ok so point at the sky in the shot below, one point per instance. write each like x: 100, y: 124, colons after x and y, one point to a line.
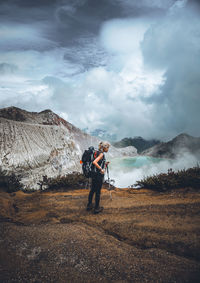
x: 129, y: 67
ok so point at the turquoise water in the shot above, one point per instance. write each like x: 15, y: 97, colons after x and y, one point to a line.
x: 127, y: 170
x: 129, y: 163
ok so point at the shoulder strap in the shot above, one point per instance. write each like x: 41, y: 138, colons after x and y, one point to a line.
x: 96, y: 153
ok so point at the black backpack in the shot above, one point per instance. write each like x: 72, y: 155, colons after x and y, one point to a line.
x: 88, y: 157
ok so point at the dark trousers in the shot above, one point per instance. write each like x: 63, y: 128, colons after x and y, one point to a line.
x: 97, y: 182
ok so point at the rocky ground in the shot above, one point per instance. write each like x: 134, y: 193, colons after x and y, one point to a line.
x: 141, y: 236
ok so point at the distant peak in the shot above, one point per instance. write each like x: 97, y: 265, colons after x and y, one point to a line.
x: 10, y: 108
x: 182, y: 136
x: 13, y: 113
x: 46, y: 111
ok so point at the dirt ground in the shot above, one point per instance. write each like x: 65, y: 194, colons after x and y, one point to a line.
x: 141, y: 236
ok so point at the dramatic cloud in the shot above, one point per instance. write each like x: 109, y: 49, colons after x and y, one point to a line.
x: 129, y: 67
x: 173, y: 43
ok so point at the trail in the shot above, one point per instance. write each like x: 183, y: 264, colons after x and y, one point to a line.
x: 140, y: 237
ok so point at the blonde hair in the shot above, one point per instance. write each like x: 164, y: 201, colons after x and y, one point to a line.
x: 103, y: 145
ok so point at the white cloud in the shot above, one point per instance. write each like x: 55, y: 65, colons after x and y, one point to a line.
x: 123, y: 36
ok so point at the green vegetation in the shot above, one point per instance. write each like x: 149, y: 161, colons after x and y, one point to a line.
x: 9, y: 182
x: 172, y: 180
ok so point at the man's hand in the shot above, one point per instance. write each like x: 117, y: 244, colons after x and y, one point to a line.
x: 102, y: 171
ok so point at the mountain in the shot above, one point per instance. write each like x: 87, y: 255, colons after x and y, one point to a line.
x: 138, y: 142
x: 175, y: 147
x: 102, y: 134
x: 35, y: 144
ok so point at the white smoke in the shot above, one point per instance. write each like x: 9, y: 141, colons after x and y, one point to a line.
x: 127, y: 177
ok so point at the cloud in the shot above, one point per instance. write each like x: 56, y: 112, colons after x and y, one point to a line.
x: 130, y: 67
x: 145, y: 3
x: 123, y: 36
x: 19, y: 36
x: 28, y: 78
x: 174, y: 44
x: 6, y: 68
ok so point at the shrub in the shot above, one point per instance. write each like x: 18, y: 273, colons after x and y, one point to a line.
x: 72, y: 181
x: 172, y: 180
x: 9, y: 182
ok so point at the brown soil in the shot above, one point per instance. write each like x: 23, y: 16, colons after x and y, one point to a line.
x: 141, y: 236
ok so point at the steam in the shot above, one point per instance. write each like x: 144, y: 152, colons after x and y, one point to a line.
x: 125, y: 177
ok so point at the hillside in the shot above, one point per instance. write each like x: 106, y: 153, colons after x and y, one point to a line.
x: 35, y: 144
x: 141, y: 236
x: 181, y: 144
x: 138, y: 142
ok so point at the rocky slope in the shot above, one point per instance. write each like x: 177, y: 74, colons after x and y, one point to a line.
x: 181, y: 144
x: 35, y: 144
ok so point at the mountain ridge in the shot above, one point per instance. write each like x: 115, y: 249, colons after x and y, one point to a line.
x: 36, y: 144
x: 138, y: 142
x: 183, y: 143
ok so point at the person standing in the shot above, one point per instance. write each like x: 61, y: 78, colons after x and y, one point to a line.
x: 99, y: 164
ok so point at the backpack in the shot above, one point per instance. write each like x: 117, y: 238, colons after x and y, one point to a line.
x: 88, y: 157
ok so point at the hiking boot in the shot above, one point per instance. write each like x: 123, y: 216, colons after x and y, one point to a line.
x: 89, y: 207
x: 98, y: 209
